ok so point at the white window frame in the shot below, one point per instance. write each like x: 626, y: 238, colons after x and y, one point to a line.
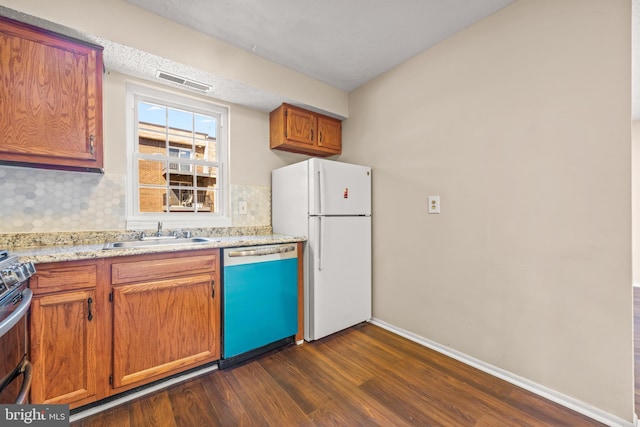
x: 174, y: 220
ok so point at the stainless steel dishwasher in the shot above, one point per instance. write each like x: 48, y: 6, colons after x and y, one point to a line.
x: 259, y: 300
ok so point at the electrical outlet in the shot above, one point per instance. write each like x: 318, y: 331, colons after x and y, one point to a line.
x: 242, y: 207
x: 434, y: 204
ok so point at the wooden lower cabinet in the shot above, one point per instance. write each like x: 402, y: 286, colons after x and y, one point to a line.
x: 163, y: 327
x: 121, y: 323
x: 63, y: 347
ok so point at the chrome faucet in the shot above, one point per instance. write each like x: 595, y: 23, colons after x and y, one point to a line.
x: 159, y: 233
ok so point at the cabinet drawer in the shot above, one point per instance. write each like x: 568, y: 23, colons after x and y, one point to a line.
x: 64, y: 276
x: 155, y: 267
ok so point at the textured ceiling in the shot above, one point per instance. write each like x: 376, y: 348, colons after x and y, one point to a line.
x: 342, y: 43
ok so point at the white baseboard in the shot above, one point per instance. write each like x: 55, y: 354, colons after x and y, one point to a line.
x: 559, y: 398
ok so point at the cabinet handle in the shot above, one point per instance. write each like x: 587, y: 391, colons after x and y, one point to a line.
x: 89, y: 302
x: 213, y: 288
x: 320, y: 136
x: 311, y: 131
x: 91, y: 144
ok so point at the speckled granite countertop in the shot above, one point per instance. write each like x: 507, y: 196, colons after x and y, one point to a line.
x: 53, y: 247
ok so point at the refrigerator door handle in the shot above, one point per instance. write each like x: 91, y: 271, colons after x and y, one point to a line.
x: 320, y: 192
x: 320, y: 243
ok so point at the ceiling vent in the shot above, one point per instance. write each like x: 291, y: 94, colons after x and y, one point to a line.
x: 183, y: 81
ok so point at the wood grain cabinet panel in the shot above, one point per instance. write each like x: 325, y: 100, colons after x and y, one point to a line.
x: 135, y: 269
x: 301, y: 131
x: 330, y: 134
x: 50, y: 99
x: 64, y: 276
x: 166, y: 315
x: 63, y: 347
x: 103, y: 326
x: 301, y: 126
x: 163, y: 327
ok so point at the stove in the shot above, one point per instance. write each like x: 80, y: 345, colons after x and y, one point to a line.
x: 13, y: 279
x: 15, y: 300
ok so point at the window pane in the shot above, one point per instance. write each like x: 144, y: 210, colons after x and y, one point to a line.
x: 181, y: 199
x: 206, y: 175
x: 152, y: 114
x: 179, y: 153
x: 152, y: 199
x: 206, y: 150
x: 206, y: 201
x: 178, y: 178
x: 151, y: 172
x: 206, y: 126
x: 150, y: 141
x: 181, y: 121
x: 180, y: 145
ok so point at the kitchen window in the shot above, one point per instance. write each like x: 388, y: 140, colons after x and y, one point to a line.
x: 177, y: 160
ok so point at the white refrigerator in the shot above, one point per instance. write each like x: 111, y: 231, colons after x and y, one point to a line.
x: 329, y: 202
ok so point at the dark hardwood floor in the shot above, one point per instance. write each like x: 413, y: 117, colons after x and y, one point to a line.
x: 364, y: 376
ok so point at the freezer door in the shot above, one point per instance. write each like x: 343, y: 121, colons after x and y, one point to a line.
x: 289, y: 199
x: 339, y: 285
x: 338, y: 188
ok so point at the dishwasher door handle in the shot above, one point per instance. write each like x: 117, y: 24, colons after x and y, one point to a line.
x: 261, y: 252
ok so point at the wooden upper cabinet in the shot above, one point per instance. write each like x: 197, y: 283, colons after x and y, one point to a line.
x: 50, y: 99
x: 301, y: 131
x: 330, y: 134
x: 300, y: 126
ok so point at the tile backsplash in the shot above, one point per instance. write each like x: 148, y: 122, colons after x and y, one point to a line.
x: 41, y: 200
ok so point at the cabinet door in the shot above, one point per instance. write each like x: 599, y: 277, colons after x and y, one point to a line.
x: 330, y: 134
x: 50, y: 99
x: 301, y: 126
x: 164, y: 327
x: 63, y: 347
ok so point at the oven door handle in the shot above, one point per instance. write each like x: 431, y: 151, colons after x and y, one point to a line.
x: 16, y: 315
x: 27, y: 371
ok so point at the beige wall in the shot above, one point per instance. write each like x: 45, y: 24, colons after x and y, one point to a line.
x: 521, y: 124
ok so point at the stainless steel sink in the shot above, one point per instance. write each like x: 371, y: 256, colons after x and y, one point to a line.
x: 156, y: 242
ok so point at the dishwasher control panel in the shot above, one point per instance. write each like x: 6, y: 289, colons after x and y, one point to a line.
x: 253, y: 254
